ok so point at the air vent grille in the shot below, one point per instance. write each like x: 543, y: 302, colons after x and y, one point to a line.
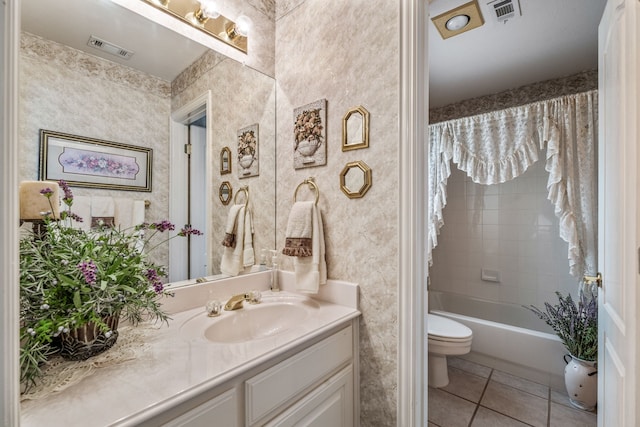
x: 504, y: 10
x: 109, y: 47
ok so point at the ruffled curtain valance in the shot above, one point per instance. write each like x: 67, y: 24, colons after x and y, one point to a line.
x: 499, y: 146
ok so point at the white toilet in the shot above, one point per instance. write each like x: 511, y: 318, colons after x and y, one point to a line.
x: 446, y: 337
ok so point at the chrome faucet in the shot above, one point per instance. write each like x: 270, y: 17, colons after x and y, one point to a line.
x: 235, y: 302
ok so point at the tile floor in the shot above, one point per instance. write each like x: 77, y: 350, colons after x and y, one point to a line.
x: 478, y: 396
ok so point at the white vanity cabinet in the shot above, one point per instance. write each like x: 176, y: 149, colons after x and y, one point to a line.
x: 314, y: 386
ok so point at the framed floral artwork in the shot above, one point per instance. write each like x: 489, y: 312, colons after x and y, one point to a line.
x: 94, y: 163
x: 310, y: 135
x: 248, y: 158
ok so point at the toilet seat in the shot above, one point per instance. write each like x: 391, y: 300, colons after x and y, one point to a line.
x: 447, y: 330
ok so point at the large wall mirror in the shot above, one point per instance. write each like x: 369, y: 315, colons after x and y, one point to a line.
x: 127, y: 90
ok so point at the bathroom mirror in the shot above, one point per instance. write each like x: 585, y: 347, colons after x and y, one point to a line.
x: 225, y: 192
x: 355, y: 179
x: 68, y: 86
x: 225, y: 161
x: 355, y: 129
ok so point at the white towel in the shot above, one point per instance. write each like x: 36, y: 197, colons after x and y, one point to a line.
x: 81, y: 207
x: 128, y: 212
x: 231, y: 228
x: 311, y: 271
x: 102, y: 209
x: 233, y: 257
x: 248, y: 253
x: 299, y: 233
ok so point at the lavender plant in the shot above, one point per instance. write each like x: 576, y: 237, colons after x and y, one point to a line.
x: 575, y: 324
x: 70, y: 277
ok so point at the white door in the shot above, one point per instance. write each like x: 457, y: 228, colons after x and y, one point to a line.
x: 618, y: 221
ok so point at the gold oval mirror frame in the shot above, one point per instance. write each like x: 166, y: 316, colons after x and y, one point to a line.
x: 355, y: 179
x: 225, y: 161
x: 225, y: 192
x: 355, y: 129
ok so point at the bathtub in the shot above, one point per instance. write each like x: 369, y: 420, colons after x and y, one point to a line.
x: 528, y: 353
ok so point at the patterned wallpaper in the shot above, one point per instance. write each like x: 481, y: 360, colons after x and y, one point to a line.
x: 65, y: 90
x: 580, y: 82
x: 347, y: 52
x: 242, y: 97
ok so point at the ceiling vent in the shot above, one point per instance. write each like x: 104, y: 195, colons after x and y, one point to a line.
x: 505, y: 9
x: 109, y: 47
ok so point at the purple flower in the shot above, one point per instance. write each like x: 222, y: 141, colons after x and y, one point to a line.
x: 162, y: 226
x: 47, y: 192
x: 68, y: 195
x: 88, y: 270
x: 156, y: 282
x: 187, y: 230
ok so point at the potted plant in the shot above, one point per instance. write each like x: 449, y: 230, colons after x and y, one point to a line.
x: 76, y: 285
x: 576, y: 324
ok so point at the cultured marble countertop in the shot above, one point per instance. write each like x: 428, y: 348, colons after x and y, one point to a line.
x: 174, y: 368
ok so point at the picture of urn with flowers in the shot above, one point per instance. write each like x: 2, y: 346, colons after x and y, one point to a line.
x: 248, y: 151
x: 309, y: 133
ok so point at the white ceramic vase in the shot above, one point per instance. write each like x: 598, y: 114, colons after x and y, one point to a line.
x: 581, y: 380
x: 307, y: 149
x: 245, y: 162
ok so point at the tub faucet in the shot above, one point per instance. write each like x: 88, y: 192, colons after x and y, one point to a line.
x: 235, y: 302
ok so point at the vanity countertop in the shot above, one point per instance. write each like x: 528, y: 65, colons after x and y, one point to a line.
x: 173, y: 369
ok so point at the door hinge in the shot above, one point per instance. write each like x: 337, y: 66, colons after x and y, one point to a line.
x: 187, y: 149
x: 591, y: 280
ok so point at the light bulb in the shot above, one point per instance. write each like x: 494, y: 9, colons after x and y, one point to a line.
x: 458, y: 22
x: 243, y: 25
x: 209, y: 8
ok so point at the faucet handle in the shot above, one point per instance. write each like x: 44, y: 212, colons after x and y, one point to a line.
x: 255, y: 297
x: 214, y: 308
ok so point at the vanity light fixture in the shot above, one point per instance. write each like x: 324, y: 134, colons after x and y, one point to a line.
x: 205, y: 16
x: 459, y: 20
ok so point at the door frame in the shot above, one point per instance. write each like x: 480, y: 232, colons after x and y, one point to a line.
x: 412, y: 208
x: 178, y: 137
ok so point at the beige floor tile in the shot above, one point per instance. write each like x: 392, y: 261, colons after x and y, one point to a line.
x: 447, y: 410
x: 521, y: 384
x: 488, y: 418
x: 465, y: 384
x: 560, y: 397
x: 516, y: 403
x: 563, y: 416
x: 467, y: 365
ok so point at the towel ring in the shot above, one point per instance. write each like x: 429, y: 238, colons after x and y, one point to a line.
x: 312, y: 186
x: 244, y: 190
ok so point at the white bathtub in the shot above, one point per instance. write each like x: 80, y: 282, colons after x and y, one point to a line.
x: 520, y: 351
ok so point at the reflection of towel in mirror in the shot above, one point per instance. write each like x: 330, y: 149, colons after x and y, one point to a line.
x: 234, y: 259
x: 102, y: 211
x: 128, y: 212
x: 248, y: 254
x: 311, y: 271
x: 82, y: 207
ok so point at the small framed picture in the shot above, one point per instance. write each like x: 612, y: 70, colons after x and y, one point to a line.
x: 310, y: 135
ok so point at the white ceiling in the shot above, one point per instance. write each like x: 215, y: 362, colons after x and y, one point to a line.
x: 552, y: 38
x: 158, y: 50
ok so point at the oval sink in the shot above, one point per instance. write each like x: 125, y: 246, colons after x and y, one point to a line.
x: 273, y: 316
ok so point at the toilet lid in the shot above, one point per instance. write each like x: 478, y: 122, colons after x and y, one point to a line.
x: 444, y: 328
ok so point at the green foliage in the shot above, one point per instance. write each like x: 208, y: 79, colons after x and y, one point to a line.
x: 70, y: 277
x: 575, y: 324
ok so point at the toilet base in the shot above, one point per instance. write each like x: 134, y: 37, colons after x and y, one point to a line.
x: 438, y: 372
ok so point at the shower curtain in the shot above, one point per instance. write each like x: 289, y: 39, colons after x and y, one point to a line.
x: 499, y: 146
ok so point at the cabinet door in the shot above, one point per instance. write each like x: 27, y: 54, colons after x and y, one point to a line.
x: 331, y: 404
x: 221, y: 411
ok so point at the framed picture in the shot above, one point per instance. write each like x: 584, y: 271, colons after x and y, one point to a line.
x: 225, y: 161
x: 94, y: 163
x: 310, y: 135
x: 248, y: 157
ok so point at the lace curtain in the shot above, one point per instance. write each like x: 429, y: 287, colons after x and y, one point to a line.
x: 499, y: 146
